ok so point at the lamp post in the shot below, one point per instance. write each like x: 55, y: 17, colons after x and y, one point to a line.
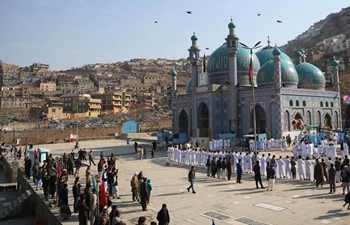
x: 253, y: 92
x: 77, y: 143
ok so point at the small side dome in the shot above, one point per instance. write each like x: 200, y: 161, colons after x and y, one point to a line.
x: 173, y: 73
x: 310, y: 77
x: 194, y: 37
x: 334, y: 63
x: 189, y: 87
x: 266, y: 55
x: 298, y: 54
x: 289, y: 74
x: 276, y: 52
x: 231, y: 25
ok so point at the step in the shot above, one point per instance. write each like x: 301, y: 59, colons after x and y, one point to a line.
x: 20, y: 199
x: 24, y: 195
x: 2, y: 214
x: 29, y: 192
x: 15, y: 203
x: 7, y: 211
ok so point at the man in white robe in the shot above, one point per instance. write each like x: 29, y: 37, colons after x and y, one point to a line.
x: 301, y: 169
x: 287, y: 167
x: 307, y: 168
x: 263, y: 165
x: 280, y: 168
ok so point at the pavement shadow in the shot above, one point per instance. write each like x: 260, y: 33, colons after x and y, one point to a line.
x: 332, y: 214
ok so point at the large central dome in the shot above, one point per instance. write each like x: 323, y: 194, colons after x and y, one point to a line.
x: 218, y: 66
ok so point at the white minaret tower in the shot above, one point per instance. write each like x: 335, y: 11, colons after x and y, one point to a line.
x: 174, y: 89
x: 232, y: 49
x: 194, y: 59
x: 278, y: 83
x: 335, y: 73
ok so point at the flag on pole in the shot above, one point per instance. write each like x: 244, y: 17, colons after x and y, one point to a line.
x: 213, y: 222
x: 103, y: 195
x: 93, y: 182
x: 250, y: 73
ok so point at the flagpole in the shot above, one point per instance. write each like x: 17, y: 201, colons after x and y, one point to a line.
x: 251, y: 80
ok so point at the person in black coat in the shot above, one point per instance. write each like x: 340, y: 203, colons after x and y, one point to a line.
x: 27, y: 166
x: 218, y: 168
x: 144, y: 194
x: 257, y: 175
x: 163, y: 215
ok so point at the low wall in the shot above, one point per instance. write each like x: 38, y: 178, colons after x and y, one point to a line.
x: 5, y: 168
x: 42, y: 212
x: 44, y: 136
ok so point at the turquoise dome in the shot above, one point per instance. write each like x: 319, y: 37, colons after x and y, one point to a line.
x: 276, y: 51
x: 173, y: 73
x: 194, y: 37
x: 310, y: 77
x: 231, y: 25
x: 266, y: 54
x: 288, y: 72
x: 218, y: 65
x: 334, y: 63
x: 189, y: 87
x: 298, y: 54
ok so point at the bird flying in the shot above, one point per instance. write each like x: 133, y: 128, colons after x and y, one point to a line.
x: 189, y: 12
x: 258, y: 14
x: 279, y: 21
x: 155, y: 21
x: 207, y: 48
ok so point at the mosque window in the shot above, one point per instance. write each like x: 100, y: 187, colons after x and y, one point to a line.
x: 290, y: 103
x: 286, y: 121
x: 297, y: 103
x: 321, y: 104
x: 326, y: 104
x: 332, y: 104
x: 304, y: 103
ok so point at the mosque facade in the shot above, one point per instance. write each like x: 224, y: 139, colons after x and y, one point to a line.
x: 219, y: 96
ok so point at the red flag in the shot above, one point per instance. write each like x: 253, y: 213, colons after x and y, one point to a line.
x: 250, y: 73
x: 103, y: 195
x: 58, y: 169
x: 77, y: 103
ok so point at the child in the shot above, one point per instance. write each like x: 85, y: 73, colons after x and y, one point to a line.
x: 39, y: 179
x: 347, y: 200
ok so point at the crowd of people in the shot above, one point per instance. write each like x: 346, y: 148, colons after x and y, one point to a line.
x: 221, y: 165
x: 91, y: 201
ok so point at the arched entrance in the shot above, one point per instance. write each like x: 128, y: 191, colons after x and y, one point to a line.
x: 260, y: 119
x: 327, y: 121
x: 203, y: 120
x: 183, y: 122
x: 297, y: 122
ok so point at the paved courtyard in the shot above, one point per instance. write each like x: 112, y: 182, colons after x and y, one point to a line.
x: 291, y: 202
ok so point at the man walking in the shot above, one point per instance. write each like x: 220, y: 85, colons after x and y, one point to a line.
x: 271, y: 176
x: 257, y: 175
x: 163, y: 215
x: 191, y: 177
x: 91, y: 158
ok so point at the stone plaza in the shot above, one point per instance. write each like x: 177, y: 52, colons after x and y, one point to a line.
x: 225, y: 201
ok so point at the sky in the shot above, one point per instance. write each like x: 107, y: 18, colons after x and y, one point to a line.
x: 72, y: 33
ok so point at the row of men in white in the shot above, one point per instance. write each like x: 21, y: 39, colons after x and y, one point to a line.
x: 282, y: 166
x: 327, y: 147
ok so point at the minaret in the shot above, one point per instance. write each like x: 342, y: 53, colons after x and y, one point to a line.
x: 298, y: 56
x: 174, y: 89
x: 232, y: 49
x: 278, y: 84
x: 194, y: 59
x: 277, y: 67
x: 335, y: 72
